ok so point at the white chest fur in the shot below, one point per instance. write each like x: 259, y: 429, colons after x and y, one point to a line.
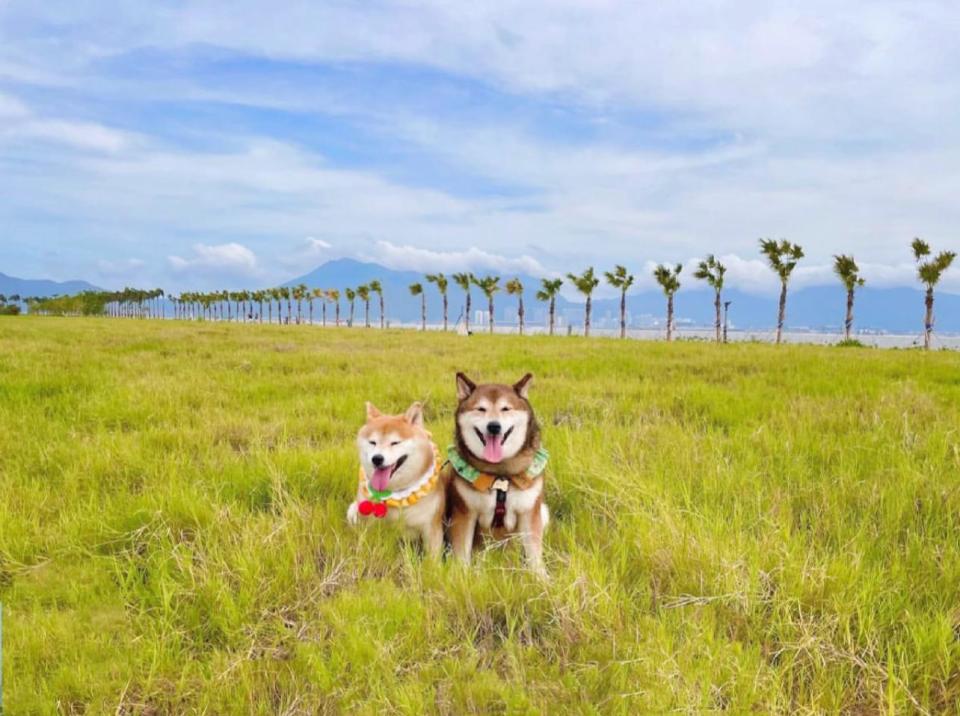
x: 417, y: 515
x: 483, y: 504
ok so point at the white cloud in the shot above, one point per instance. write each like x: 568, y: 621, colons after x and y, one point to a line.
x: 413, y: 258
x: 231, y: 258
x: 83, y: 135
x: 23, y: 124
x: 317, y: 245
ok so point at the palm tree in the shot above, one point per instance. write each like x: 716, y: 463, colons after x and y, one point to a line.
x: 548, y: 292
x: 782, y: 257
x: 304, y: 292
x: 441, y: 281
x: 669, y: 280
x: 929, y: 273
x: 285, y: 292
x: 273, y: 295
x: 364, y: 293
x: 314, y: 294
x: 515, y: 288
x: 712, y: 271
x: 585, y: 283
x: 619, y: 278
x: 376, y: 288
x: 351, y: 298
x: 489, y: 285
x: 849, y: 274
x: 334, y: 295
x: 463, y: 280
x: 259, y: 297
x: 416, y: 289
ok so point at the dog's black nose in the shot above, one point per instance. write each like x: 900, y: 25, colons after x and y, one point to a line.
x: 377, y: 460
x: 494, y: 427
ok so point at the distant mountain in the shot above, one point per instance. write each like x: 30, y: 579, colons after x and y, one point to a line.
x: 894, y: 310
x: 400, y: 305
x: 10, y: 285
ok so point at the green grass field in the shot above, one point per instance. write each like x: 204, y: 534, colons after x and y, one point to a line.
x: 738, y: 527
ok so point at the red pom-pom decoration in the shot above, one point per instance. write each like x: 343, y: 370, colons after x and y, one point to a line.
x: 379, y: 510
x: 366, y: 508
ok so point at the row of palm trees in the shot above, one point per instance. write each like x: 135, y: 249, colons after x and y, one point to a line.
x: 249, y: 305
x: 254, y: 306
x: 781, y: 255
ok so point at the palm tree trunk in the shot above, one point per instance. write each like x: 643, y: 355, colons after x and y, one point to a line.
x: 423, y: 312
x: 782, y: 313
x: 928, y: 319
x: 310, y: 302
x: 289, y: 311
x: 366, y: 313
x: 848, y: 324
x: 260, y: 313
x: 553, y: 313
x: 490, y: 309
x: 669, y: 317
x: 445, y: 310
x: 382, y: 317
x: 520, y: 313
x: 466, y: 318
x: 726, y: 308
x: 586, y: 319
x: 623, y: 313
x: 716, y: 305
x: 350, y: 318
x: 323, y: 314
x: 337, y: 313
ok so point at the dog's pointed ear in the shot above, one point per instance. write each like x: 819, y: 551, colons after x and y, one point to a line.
x: 414, y: 415
x: 465, y: 386
x: 372, y: 411
x: 522, y: 386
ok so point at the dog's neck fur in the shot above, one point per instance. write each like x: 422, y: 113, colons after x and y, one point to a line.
x: 419, y: 460
x: 516, y: 465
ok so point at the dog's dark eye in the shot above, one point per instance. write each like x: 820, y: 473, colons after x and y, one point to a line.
x: 482, y: 410
x: 373, y: 442
x: 394, y: 443
x: 505, y: 408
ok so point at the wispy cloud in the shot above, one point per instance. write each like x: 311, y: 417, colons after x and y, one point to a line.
x: 230, y: 260
x: 413, y: 258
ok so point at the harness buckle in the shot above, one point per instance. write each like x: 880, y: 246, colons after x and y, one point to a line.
x: 500, y: 484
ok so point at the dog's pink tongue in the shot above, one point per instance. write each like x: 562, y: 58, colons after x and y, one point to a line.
x: 493, y: 450
x: 380, y: 478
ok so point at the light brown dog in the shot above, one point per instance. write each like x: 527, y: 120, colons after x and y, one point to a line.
x: 496, y: 468
x: 400, y: 477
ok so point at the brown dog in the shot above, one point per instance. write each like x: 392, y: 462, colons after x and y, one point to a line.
x: 495, y: 469
x: 399, y: 477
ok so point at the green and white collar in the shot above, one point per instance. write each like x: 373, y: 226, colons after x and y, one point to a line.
x: 471, y: 474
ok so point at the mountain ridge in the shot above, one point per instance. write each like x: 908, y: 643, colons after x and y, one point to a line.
x: 41, y: 287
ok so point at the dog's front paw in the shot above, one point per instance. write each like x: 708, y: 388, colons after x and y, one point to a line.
x: 353, y: 513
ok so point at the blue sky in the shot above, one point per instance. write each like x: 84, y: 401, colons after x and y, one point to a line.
x: 185, y: 144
